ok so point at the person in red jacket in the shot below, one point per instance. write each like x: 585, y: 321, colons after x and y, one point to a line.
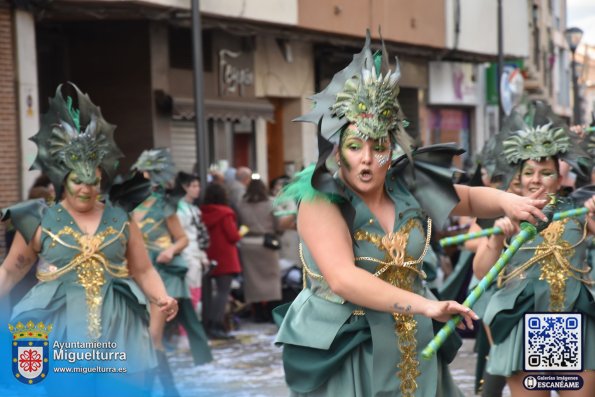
x: 221, y: 223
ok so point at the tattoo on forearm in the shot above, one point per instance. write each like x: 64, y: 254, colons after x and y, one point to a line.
x: 22, y: 262
x: 401, y: 309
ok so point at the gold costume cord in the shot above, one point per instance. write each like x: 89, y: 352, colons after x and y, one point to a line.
x: 406, y: 328
x: 553, y: 254
x: 90, y: 264
x: 158, y: 244
x: 400, y: 271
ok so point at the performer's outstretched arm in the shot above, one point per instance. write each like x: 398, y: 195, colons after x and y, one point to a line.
x: 327, y: 237
x: 485, y: 202
x: 17, y: 263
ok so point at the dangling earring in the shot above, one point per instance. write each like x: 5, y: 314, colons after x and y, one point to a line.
x: 338, y: 163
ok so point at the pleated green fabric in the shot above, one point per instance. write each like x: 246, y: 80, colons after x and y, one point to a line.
x: 307, y: 368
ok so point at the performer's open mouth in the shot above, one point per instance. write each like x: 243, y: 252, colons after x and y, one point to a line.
x: 365, y: 175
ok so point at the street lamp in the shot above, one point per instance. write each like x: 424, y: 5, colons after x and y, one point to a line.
x: 573, y: 38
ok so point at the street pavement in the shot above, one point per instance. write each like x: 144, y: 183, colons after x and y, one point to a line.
x: 251, y: 366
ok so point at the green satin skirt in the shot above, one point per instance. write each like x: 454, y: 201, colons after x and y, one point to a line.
x: 362, y: 361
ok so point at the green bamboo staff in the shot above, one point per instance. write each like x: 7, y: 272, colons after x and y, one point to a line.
x: 528, y: 231
x: 570, y: 213
x: 461, y: 238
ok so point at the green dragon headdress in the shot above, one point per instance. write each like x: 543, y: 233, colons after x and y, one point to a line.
x: 363, y: 94
x: 533, y: 132
x: 159, y: 164
x: 74, y: 140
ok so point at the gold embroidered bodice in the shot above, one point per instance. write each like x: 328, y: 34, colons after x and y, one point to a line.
x: 553, y: 258
x: 397, y: 268
x: 394, y: 264
x: 92, y: 258
x: 153, y: 226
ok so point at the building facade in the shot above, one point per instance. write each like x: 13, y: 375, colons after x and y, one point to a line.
x: 10, y: 158
x: 585, y: 57
x: 262, y: 60
x: 547, y: 69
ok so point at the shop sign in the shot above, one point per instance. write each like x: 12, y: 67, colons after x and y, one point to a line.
x: 453, y: 83
x: 234, y: 78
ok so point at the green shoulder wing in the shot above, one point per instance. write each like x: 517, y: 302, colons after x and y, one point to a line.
x: 431, y: 181
x: 300, y: 189
x: 129, y: 193
x: 26, y: 216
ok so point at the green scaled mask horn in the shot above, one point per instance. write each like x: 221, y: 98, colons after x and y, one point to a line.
x: 159, y: 164
x: 533, y: 132
x: 534, y: 143
x: 363, y: 94
x: 74, y: 140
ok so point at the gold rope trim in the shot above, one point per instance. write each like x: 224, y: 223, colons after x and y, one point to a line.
x: 90, y: 265
x: 387, y: 243
x: 553, y: 253
x: 550, y: 250
x: 408, y: 264
x: 158, y: 244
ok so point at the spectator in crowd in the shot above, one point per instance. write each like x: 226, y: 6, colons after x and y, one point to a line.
x: 237, y: 187
x: 221, y: 223
x: 43, y: 181
x: 188, y: 186
x: 260, y: 264
x: 190, y: 217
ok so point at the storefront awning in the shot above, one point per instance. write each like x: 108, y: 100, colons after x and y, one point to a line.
x: 216, y: 109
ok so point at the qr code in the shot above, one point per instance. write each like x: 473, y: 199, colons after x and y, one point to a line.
x: 553, y: 342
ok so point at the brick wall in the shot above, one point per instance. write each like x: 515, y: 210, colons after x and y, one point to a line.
x: 9, y: 138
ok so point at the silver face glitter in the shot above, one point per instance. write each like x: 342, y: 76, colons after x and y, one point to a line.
x: 382, y: 158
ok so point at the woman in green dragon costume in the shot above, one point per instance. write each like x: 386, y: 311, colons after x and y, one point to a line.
x: 549, y: 273
x: 364, y: 220
x: 98, y: 279
x: 165, y: 239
